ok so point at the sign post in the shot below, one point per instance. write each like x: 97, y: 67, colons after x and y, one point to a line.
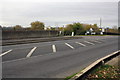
x: 72, y: 33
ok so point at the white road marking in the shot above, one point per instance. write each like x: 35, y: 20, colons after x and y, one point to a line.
x: 54, y: 48
x: 31, y: 52
x: 5, y: 53
x: 97, y: 41
x: 80, y: 44
x: 69, y: 46
x: 24, y: 58
x: 89, y: 42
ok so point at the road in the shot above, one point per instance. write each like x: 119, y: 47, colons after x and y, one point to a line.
x: 56, y: 59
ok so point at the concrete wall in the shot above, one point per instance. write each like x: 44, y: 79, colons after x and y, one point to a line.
x: 28, y: 34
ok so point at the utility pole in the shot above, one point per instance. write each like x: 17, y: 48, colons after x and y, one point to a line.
x: 63, y: 30
x: 102, y: 30
x: 100, y: 22
x: 56, y: 24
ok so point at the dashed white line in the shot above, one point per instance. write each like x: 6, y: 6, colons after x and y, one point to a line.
x: 69, y: 46
x: 31, y: 52
x: 54, y: 48
x: 97, y: 41
x: 89, y: 42
x: 80, y: 44
x: 5, y: 53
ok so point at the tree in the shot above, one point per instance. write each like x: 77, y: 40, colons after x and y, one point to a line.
x: 94, y: 27
x: 37, y: 25
x: 17, y: 27
x: 27, y: 28
x: 78, y: 28
x: 52, y: 28
x: 114, y: 29
x: 61, y: 28
x: 69, y: 28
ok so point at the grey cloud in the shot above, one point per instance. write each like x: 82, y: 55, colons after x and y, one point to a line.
x: 61, y: 12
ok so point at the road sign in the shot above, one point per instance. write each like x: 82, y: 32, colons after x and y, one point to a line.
x: 91, y: 29
x: 103, y: 30
x: 100, y: 29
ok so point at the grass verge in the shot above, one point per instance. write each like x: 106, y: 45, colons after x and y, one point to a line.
x: 69, y: 77
x: 97, y: 35
x: 104, y: 72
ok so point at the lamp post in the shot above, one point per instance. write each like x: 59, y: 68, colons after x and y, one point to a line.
x: 63, y: 30
x: 100, y: 22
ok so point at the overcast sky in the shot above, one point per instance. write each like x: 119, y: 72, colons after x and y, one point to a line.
x: 59, y: 12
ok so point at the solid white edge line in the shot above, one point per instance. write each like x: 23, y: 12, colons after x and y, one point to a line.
x: 54, y: 48
x: 69, y: 46
x: 89, y: 42
x: 5, y: 53
x: 30, y: 53
x: 80, y: 44
x: 93, y: 64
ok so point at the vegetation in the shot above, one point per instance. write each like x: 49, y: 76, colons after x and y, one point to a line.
x: 69, y: 77
x: 114, y: 29
x: 37, y: 25
x: 80, y: 29
x: 94, y: 26
x: 17, y: 27
x: 104, y: 72
x: 77, y: 28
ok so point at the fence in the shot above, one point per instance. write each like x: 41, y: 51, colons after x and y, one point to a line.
x: 109, y: 33
x: 28, y: 34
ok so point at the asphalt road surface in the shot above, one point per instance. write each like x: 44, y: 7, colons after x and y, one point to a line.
x: 56, y: 59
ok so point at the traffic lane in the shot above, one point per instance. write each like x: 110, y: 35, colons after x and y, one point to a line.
x: 57, y: 65
x: 42, y: 50
x: 23, y: 46
x: 43, y: 62
x: 30, y: 45
x: 62, y: 47
x: 99, y: 37
x: 75, y: 45
x: 47, y: 48
x: 16, y: 54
